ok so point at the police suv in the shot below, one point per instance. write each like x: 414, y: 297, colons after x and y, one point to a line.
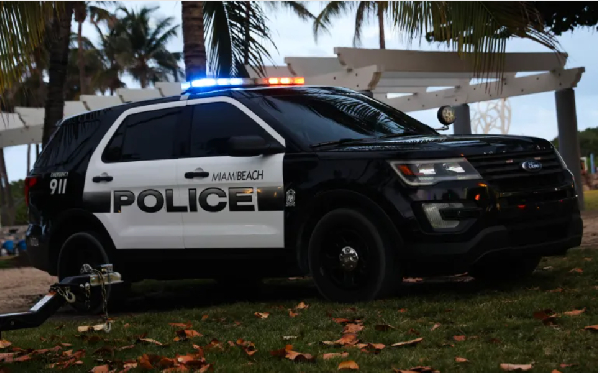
x: 241, y: 181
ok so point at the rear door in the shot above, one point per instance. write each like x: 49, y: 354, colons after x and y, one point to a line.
x: 235, y: 202
x: 131, y: 180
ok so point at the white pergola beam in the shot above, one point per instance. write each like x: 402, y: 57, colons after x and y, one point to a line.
x: 365, y: 78
x: 271, y: 71
x: 313, y: 66
x: 511, y: 87
x: 443, y: 62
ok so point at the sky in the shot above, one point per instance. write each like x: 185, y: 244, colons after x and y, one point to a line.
x: 532, y: 115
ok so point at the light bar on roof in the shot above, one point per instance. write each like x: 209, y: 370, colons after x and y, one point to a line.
x: 237, y: 82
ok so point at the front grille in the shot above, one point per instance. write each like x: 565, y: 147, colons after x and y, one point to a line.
x: 505, y: 172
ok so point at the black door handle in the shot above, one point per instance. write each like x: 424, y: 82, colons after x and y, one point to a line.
x: 191, y: 175
x: 97, y: 179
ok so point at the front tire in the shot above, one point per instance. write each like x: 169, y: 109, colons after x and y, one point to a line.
x: 351, y: 259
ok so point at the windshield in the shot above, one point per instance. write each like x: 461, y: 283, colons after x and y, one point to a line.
x: 320, y: 118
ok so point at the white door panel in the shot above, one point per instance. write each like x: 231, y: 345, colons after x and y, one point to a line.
x: 241, y: 220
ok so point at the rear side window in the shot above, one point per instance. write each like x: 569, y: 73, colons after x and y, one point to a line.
x: 214, y: 123
x: 72, y: 135
x: 146, y: 136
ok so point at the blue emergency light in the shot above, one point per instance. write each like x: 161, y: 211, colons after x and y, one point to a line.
x: 208, y: 83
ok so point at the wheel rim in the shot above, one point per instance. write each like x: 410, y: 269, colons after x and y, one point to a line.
x: 346, y: 258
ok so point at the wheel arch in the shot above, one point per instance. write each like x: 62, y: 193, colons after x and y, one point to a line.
x: 328, y: 200
x: 69, y: 222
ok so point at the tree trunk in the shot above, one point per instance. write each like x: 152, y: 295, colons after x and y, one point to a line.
x: 28, y: 159
x: 381, y: 26
x: 247, y: 33
x: 37, y: 151
x: 57, y: 69
x: 194, y: 51
x: 8, y: 197
x: 81, y: 61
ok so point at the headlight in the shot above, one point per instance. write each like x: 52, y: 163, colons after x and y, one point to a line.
x: 428, y: 172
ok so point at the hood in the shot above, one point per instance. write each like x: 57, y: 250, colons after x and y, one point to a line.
x: 448, y: 145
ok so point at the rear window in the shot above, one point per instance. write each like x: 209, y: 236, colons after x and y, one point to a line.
x: 316, y: 118
x: 71, y: 137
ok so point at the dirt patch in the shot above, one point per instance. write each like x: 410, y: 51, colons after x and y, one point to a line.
x: 590, y: 229
x: 21, y: 287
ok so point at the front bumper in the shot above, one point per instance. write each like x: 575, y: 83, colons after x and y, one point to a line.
x: 544, y: 237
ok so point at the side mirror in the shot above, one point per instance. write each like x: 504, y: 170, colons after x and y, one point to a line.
x: 249, y: 146
x: 446, y: 116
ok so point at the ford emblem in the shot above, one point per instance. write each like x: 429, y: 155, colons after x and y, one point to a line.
x: 531, y: 166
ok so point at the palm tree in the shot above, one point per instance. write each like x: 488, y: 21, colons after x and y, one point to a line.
x: 363, y: 9
x: 82, y: 49
x: 194, y: 50
x: 145, y: 56
x: 82, y: 9
x: 111, y: 45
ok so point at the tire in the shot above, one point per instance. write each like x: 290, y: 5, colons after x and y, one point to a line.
x: 505, y: 268
x: 87, y: 248
x: 369, y: 271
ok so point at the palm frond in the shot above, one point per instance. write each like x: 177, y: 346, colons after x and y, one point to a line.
x: 332, y: 10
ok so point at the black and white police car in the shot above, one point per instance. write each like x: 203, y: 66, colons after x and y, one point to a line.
x: 238, y: 181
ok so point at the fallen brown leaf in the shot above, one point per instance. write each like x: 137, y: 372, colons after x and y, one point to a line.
x: 413, y: 279
x: 574, y: 312
x: 516, y: 367
x: 408, y: 343
x: 292, y: 313
x: 353, y: 328
x: 383, y: 327
x: 459, y: 338
x: 181, y: 325
x: 281, y: 352
x: 587, y: 259
x: 248, y: 347
x: 435, y: 326
x: 215, y: 344
x: 4, y: 343
x: 413, y: 331
x: 416, y: 370
x: 88, y: 328
x: 334, y: 355
x: 185, y: 334
x: 592, y: 328
x: 547, y: 316
x: 299, y: 357
x: 348, y: 365
x: 564, y: 365
x: 341, y: 320
x: 460, y: 359
x: 557, y: 290
x: 149, y: 341
x: 555, y: 371
x: 577, y: 270
x: 204, y: 317
x: 100, y: 369
x: 402, y: 310
x: 261, y: 315
x: 371, y: 348
x: 302, y: 306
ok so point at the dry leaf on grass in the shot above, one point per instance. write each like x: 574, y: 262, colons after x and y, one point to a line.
x: 383, y: 327
x: 412, y: 279
x: 574, y: 312
x: 555, y: 371
x: 182, y: 335
x: 547, y: 316
x: 516, y: 367
x: 248, y: 347
x: 289, y: 354
x: 348, y: 365
x: 341, y: 320
x: 371, y: 348
x: 181, y: 325
x: 204, y: 317
x: 577, y: 270
x: 353, y: 328
x: 302, y: 306
x: 459, y: 338
x: 435, y: 326
x: 149, y: 341
x: 402, y: 310
x: 348, y: 339
x: 460, y: 359
x: 292, y: 313
x: 334, y: 355
x: 4, y: 343
x: 261, y: 315
x: 565, y: 365
x: 412, y: 342
x: 416, y: 370
x: 592, y: 328
x: 88, y: 328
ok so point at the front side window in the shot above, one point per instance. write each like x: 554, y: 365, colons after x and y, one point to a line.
x: 146, y: 136
x: 214, y: 123
x: 317, y: 117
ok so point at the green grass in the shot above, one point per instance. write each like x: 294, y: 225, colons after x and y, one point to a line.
x: 591, y: 200
x: 497, y: 321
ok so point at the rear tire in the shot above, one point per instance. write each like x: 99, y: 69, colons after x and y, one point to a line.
x: 87, y: 248
x: 505, y: 268
x: 351, y: 259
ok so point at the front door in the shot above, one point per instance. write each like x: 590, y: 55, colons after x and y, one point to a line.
x: 234, y: 202
x: 131, y: 183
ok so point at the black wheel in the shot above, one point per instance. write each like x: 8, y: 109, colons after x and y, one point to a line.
x: 86, y: 248
x: 505, y: 268
x: 351, y: 259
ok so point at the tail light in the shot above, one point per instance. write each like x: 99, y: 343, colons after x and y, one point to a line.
x: 30, y: 181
